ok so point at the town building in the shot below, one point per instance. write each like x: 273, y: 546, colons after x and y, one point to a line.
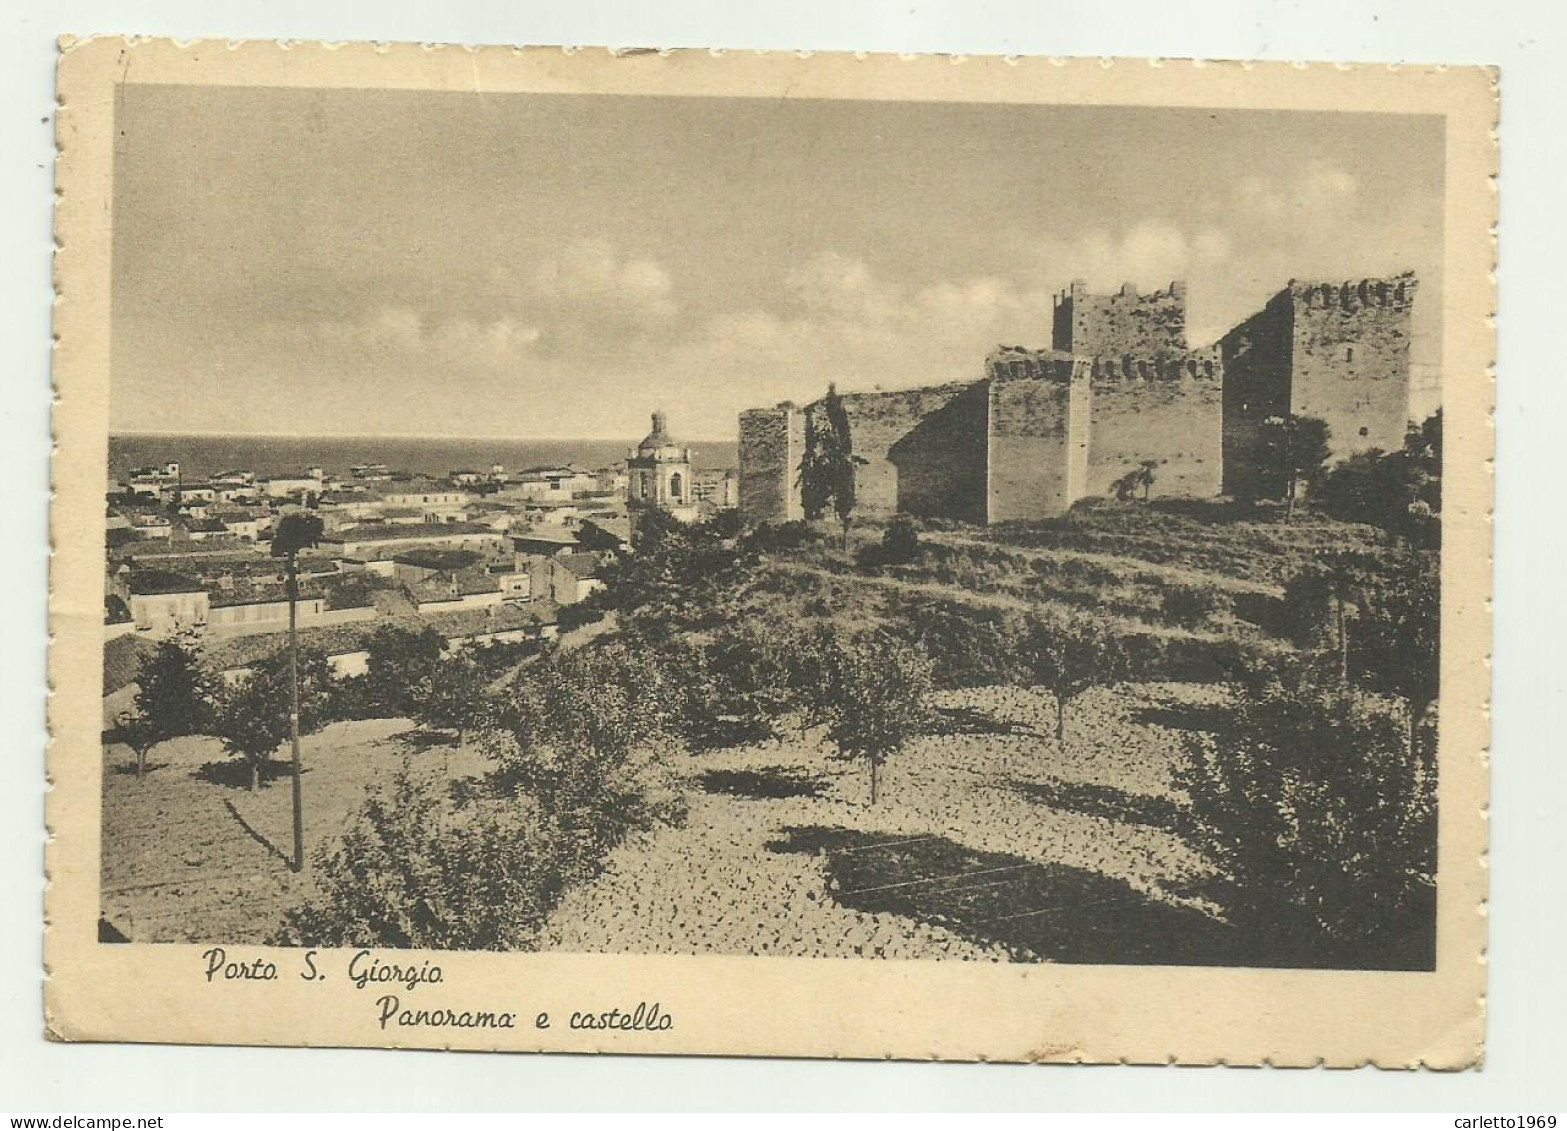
x: 163, y: 602
x: 313, y: 482
x: 565, y: 578
x: 1118, y: 390
x: 378, y: 540
x: 429, y: 503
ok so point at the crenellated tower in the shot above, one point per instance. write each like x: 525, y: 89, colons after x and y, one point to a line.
x: 1338, y: 351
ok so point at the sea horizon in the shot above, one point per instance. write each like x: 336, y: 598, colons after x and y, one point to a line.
x: 208, y: 453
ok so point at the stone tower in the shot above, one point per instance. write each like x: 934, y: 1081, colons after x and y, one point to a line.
x: 1336, y: 351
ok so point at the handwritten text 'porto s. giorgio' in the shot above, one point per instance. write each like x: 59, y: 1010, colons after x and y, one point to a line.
x: 365, y: 969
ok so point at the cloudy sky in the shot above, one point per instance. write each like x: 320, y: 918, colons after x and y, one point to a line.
x: 363, y: 262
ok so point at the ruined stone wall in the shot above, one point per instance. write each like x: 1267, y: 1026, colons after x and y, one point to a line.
x: 877, y: 422
x: 1148, y: 325
x: 1257, y: 358
x: 772, y: 442
x: 1172, y: 418
x: 1350, y: 351
x: 1038, y: 445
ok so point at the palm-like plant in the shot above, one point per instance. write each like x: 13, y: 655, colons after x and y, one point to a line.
x: 295, y: 532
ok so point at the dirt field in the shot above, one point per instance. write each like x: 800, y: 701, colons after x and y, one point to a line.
x: 990, y: 842
x: 191, y: 855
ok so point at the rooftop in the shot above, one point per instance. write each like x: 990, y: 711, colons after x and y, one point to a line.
x: 147, y: 582
x: 438, y: 559
x: 582, y: 565
x: 392, y: 533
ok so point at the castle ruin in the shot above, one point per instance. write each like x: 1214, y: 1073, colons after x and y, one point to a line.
x: 1118, y: 389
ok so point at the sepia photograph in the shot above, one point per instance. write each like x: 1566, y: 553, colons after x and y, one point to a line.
x: 890, y: 531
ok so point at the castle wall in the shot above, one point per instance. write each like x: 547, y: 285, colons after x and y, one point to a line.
x: 1038, y: 445
x: 877, y: 422
x: 1174, y: 420
x: 1257, y: 365
x: 772, y: 442
x: 1351, y: 360
x: 1092, y: 325
x: 941, y: 461
x: 1047, y: 427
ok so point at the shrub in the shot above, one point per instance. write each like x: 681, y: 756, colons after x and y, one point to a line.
x: 899, y: 545
x: 968, y: 646
x: 1192, y: 606
x: 1322, y: 826
x: 783, y: 537
x: 417, y: 871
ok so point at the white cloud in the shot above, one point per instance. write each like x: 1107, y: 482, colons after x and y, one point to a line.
x: 591, y: 271
x: 400, y: 334
x: 1150, y: 254
x: 1320, y: 189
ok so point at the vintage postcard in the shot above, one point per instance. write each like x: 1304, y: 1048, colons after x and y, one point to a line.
x: 764, y: 554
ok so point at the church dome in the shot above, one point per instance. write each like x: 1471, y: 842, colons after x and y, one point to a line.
x: 659, y: 441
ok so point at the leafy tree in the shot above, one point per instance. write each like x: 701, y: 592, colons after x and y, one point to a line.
x: 253, y: 716
x: 1423, y: 449
x: 827, y: 470
x: 174, y: 697
x: 1322, y: 600
x: 880, y: 687
x: 749, y: 666
x: 399, y: 660
x: 593, y: 537
x: 968, y: 646
x: 453, y: 696
x: 727, y: 523
x: 1395, y: 643
x: 682, y: 575
x: 1069, y: 655
x: 1397, y: 491
x: 295, y: 532
x: 1297, y: 449
x: 1321, y: 825
x: 252, y: 719
x: 587, y: 735
x: 1141, y: 477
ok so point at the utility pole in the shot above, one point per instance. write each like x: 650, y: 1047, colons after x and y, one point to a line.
x: 295, y: 532
x: 293, y: 711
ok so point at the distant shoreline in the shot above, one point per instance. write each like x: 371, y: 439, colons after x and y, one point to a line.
x: 209, y: 453
x: 404, y: 437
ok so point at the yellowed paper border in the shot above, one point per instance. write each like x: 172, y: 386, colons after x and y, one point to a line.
x: 767, y: 1006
